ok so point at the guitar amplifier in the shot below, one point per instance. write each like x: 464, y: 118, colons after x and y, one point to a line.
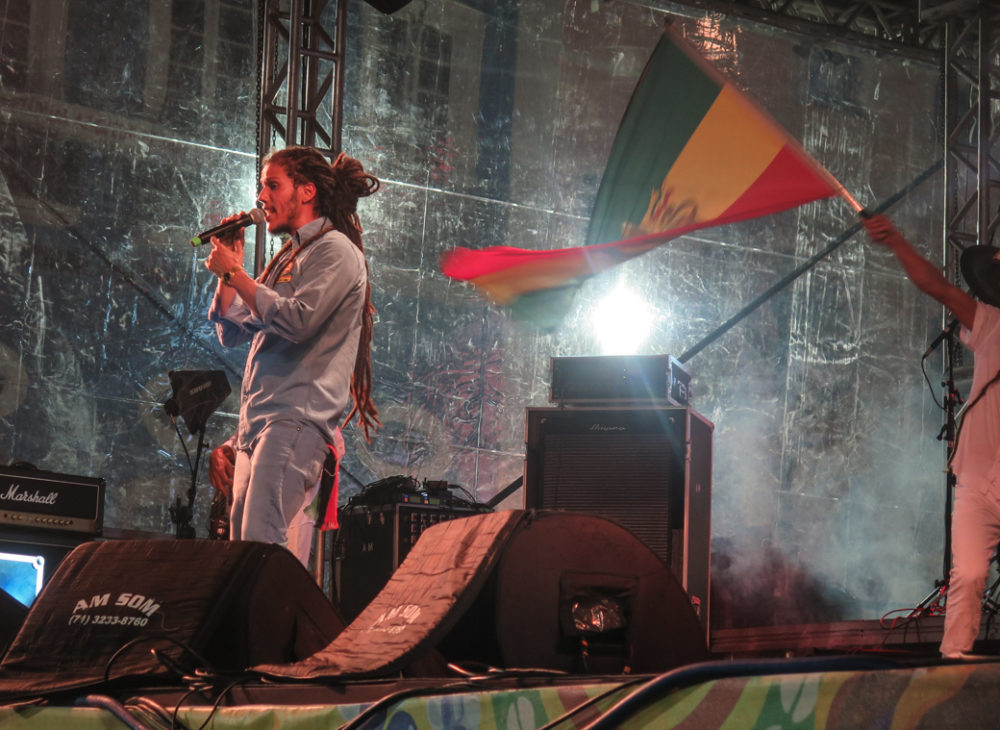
x: 44, y: 500
x: 372, y: 542
x: 614, y: 379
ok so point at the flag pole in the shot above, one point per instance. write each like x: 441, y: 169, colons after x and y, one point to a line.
x: 846, y: 195
x: 813, y: 260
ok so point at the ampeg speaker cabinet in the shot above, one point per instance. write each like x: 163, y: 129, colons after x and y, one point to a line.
x: 372, y: 542
x: 648, y: 468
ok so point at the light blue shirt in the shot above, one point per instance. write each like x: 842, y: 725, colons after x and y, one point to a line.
x: 304, y: 345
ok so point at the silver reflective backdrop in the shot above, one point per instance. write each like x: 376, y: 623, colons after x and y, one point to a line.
x: 487, y: 127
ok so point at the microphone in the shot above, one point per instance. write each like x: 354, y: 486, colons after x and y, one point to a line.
x: 946, y: 332
x: 254, y: 217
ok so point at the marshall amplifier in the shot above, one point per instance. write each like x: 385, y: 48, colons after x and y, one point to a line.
x: 44, y: 500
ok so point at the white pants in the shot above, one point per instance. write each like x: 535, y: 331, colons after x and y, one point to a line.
x: 273, y: 485
x: 975, y: 531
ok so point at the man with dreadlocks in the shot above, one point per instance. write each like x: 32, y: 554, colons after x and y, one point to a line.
x: 308, y: 318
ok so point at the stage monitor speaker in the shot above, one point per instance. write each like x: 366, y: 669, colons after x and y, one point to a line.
x: 578, y: 593
x: 518, y: 590
x: 132, y: 610
x: 647, y: 468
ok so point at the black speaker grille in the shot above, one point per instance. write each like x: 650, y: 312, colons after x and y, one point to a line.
x: 625, y: 477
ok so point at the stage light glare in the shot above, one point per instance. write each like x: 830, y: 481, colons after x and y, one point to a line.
x: 621, y: 322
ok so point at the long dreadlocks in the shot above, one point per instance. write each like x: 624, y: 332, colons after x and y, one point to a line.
x: 338, y: 188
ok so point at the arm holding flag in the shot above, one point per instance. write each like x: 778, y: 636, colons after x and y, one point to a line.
x: 925, y: 275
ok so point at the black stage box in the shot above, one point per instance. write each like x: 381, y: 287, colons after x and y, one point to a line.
x: 647, y: 468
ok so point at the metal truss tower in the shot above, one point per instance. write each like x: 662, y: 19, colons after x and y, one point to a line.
x: 302, y: 73
x: 301, y: 66
x: 971, y: 98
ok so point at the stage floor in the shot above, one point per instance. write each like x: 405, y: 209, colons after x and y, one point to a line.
x: 844, y: 691
x: 419, y: 654
x: 915, y: 636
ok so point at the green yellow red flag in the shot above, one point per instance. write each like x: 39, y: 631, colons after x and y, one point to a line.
x: 692, y: 151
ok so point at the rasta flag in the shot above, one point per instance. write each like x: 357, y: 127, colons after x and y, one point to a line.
x: 691, y: 152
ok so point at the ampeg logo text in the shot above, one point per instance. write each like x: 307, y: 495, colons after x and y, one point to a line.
x: 603, y: 427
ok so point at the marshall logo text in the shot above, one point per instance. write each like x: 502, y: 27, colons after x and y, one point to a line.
x: 14, y: 493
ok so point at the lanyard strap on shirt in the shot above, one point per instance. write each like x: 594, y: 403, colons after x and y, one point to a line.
x: 278, y: 258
